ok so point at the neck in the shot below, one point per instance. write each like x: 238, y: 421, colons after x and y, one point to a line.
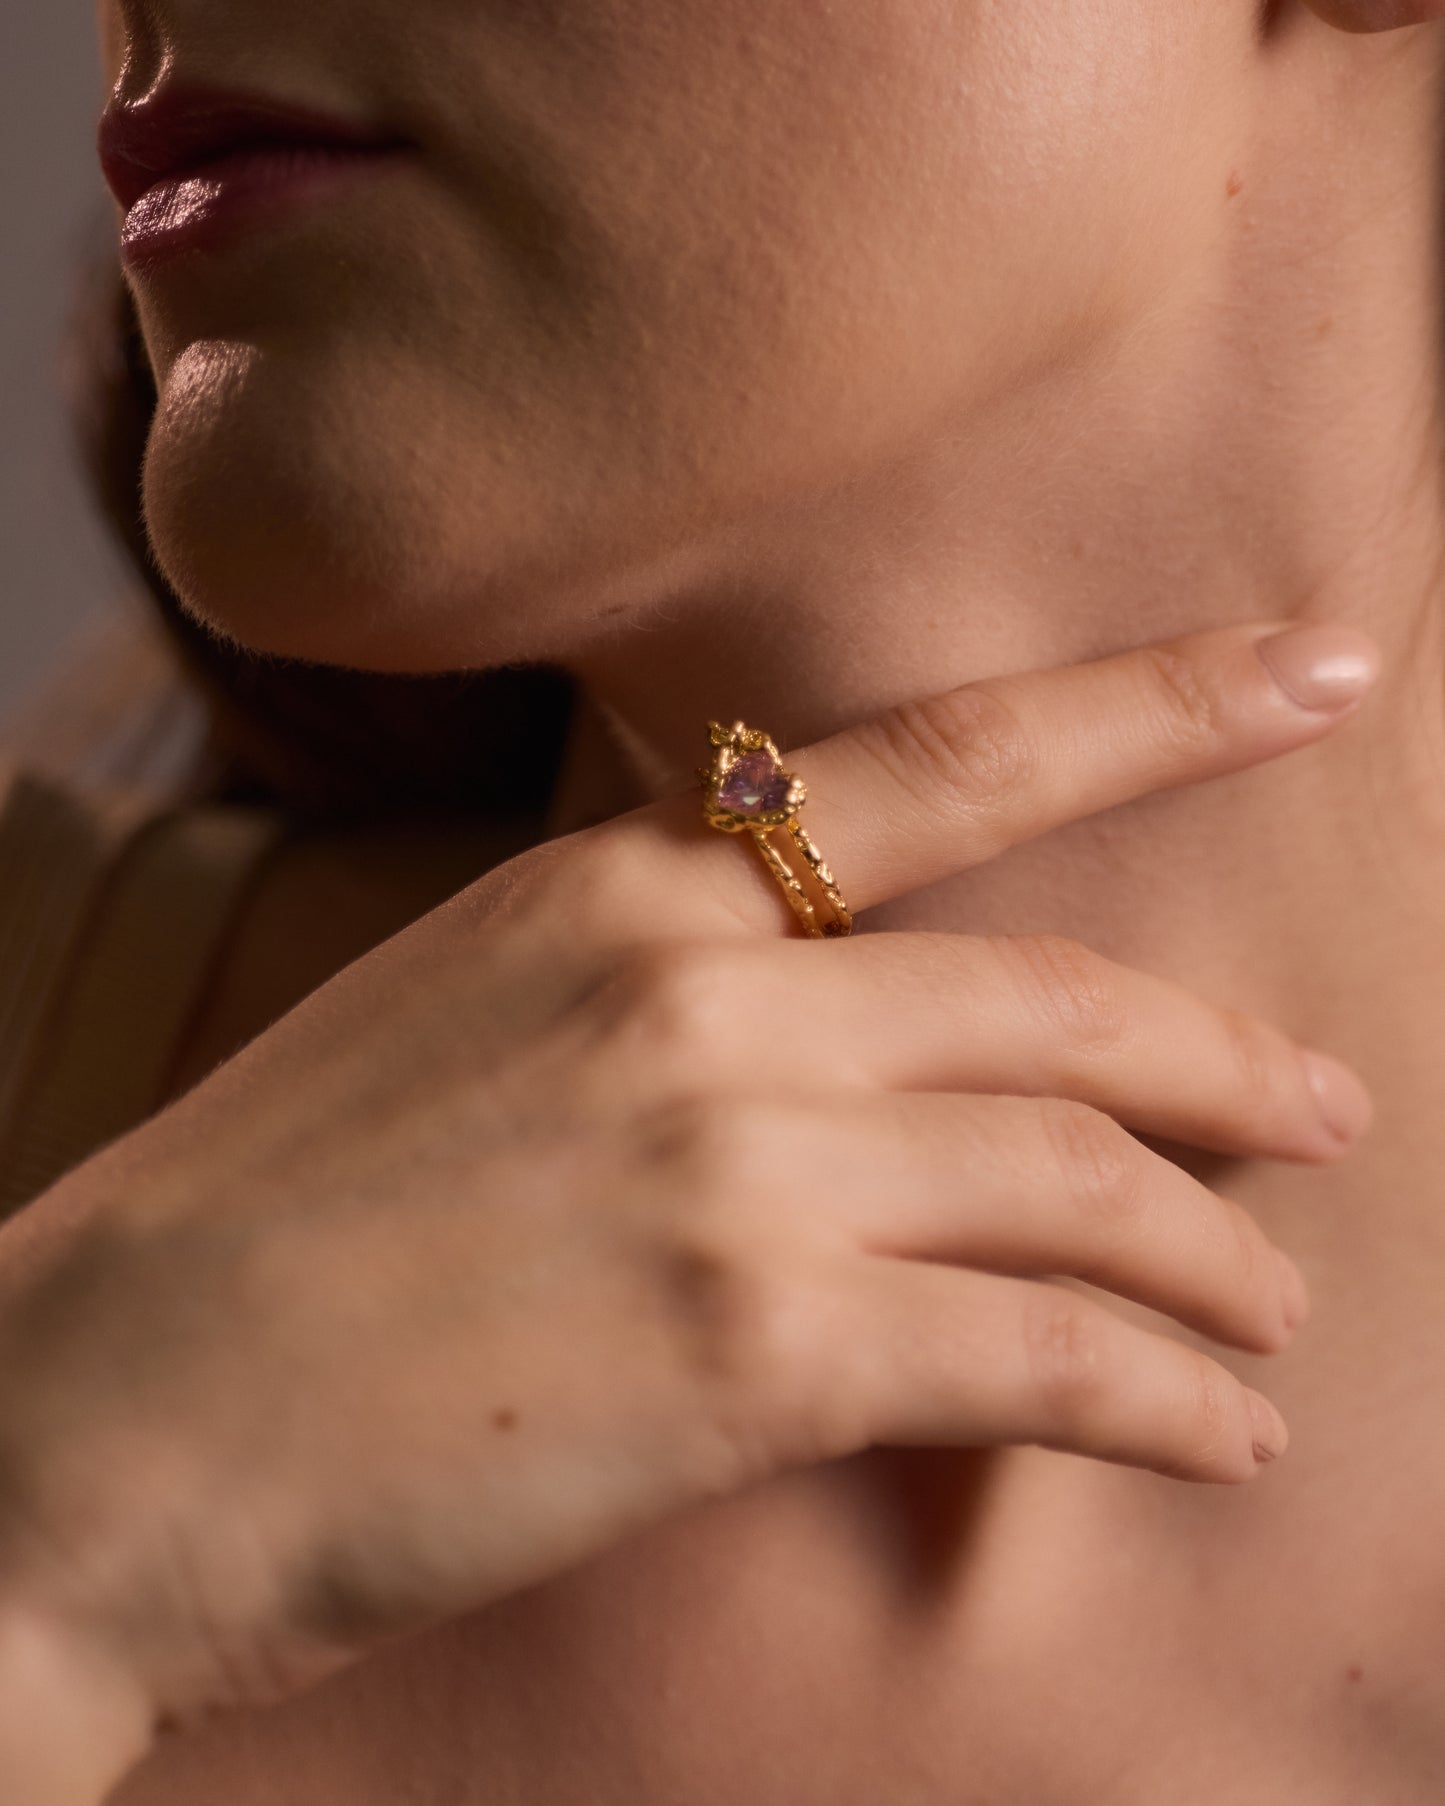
x: 1264, y: 445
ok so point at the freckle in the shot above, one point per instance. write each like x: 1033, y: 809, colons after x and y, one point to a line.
x: 1354, y: 1672
x: 1325, y: 327
x: 1235, y: 183
x: 505, y: 1419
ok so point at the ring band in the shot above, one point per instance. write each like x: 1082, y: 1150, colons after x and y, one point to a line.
x: 747, y: 787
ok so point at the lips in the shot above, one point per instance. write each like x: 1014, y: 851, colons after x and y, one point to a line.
x: 172, y: 135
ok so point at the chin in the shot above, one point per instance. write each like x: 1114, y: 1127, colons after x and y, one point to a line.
x: 326, y: 520
x: 290, y: 565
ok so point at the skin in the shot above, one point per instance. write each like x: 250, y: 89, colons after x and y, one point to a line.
x: 375, y: 1270
x: 1114, y: 332
x: 717, y: 254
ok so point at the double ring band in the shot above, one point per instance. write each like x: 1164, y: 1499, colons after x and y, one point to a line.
x: 746, y: 787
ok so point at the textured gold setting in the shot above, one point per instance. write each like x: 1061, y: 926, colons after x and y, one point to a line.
x: 773, y: 803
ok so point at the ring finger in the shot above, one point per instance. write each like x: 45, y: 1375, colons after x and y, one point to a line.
x: 1028, y: 1187
x: 1036, y: 1015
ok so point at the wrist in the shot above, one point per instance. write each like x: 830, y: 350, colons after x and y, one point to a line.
x: 72, y: 1721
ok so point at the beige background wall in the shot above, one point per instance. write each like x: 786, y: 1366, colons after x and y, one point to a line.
x: 55, y: 562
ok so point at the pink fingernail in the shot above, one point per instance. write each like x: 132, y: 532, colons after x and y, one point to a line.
x: 1271, y: 1438
x: 1320, y: 667
x: 1295, y: 1292
x: 1343, y: 1101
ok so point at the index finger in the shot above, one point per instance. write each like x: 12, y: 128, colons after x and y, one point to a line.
x: 935, y: 786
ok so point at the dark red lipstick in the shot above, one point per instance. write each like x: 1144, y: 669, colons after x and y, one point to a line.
x: 193, y: 166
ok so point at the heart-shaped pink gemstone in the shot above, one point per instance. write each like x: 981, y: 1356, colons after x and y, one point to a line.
x: 754, y: 784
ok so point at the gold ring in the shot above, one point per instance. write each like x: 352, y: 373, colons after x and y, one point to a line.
x: 746, y: 787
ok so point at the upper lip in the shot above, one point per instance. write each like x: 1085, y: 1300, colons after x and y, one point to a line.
x: 173, y: 132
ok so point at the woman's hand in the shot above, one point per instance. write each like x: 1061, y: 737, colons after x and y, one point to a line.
x: 599, y: 1192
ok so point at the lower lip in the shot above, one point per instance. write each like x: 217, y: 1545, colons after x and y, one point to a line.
x: 205, y: 210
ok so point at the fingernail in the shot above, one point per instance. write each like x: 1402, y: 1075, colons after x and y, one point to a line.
x: 1320, y: 667
x: 1295, y: 1292
x: 1344, y: 1104
x: 1271, y: 1438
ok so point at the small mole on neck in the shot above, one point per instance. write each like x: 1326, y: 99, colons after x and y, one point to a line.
x: 505, y: 1419
x: 1354, y: 1672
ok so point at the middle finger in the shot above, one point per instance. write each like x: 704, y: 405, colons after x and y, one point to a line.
x: 1034, y: 1015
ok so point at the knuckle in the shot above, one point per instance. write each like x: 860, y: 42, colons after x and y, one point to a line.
x: 1102, y: 1164
x: 1069, y: 986
x: 1213, y: 1411
x: 1255, y: 1270
x: 1065, y: 1356
x: 743, y: 1299
x: 1254, y: 1059
x: 678, y: 1004
x: 1193, y: 705
x: 968, y: 744
x: 704, y: 1145
x: 744, y: 1317
x: 580, y: 888
x: 735, y: 1314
